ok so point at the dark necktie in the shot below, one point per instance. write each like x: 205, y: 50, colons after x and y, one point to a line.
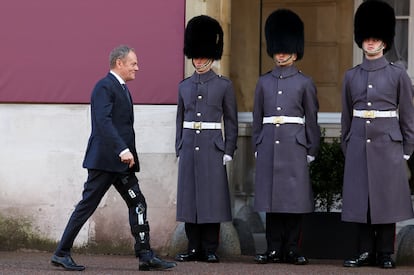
x: 127, y: 92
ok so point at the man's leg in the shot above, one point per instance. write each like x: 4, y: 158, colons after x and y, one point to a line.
x: 210, y: 235
x: 274, y: 240
x: 193, y: 233
x: 385, y: 240
x: 194, y: 250
x: 128, y: 188
x: 293, y: 226
x: 366, y: 245
x: 96, y: 186
x: 275, y: 232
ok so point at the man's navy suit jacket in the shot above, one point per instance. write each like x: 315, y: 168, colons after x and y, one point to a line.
x: 112, y: 117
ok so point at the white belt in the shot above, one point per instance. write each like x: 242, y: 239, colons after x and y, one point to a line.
x: 201, y: 125
x: 374, y: 113
x: 283, y: 119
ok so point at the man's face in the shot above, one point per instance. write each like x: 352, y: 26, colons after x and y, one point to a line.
x: 128, y: 66
x: 373, y: 48
x: 371, y: 44
x: 284, y: 59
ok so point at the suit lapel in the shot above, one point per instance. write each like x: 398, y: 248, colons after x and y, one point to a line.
x: 124, y: 94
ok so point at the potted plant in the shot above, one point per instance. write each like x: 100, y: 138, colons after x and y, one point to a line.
x: 324, y: 235
x: 327, y: 173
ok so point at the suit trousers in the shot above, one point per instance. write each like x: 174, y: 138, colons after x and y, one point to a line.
x: 283, y: 232
x: 97, y: 184
x: 203, y: 237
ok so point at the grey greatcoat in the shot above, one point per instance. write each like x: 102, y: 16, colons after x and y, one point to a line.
x: 203, y: 193
x: 282, y: 181
x: 375, y: 170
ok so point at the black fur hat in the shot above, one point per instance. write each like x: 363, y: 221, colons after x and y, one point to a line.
x: 374, y: 19
x: 284, y: 33
x: 203, y: 37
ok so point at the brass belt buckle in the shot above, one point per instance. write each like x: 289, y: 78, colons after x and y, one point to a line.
x: 369, y: 114
x: 197, y: 125
x: 278, y: 120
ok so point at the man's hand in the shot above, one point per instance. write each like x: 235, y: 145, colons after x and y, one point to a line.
x: 128, y: 158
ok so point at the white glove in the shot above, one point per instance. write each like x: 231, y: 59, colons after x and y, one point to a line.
x: 406, y: 157
x: 255, y: 155
x: 226, y: 158
x: 310, y: 158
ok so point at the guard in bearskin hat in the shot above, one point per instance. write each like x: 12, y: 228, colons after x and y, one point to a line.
x: 205, y: 100
x: 285, y: 139
x: 377, y: 139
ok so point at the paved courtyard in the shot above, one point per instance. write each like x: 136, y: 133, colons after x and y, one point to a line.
x: 33, y: 263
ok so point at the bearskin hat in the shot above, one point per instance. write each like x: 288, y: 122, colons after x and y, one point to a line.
x: 284, y: 33
x: 203, y: 37
x: 374, y: 19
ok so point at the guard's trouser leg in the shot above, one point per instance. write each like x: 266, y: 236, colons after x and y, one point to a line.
x: 274, y: 232
x: 210, y: 236
x: 203, y: 237
x: 293, y: 228
x: 193, y: 233
x: 374, y: 238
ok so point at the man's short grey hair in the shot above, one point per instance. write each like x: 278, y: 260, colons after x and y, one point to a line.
x: 119, y: 52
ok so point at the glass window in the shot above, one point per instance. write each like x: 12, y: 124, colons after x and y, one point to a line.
x: 399, y: 53
x: 401, y: 7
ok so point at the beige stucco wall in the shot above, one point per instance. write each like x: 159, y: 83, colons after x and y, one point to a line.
x: 41, y: 174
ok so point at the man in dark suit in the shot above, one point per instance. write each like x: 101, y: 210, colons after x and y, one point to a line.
x: 111, y: 159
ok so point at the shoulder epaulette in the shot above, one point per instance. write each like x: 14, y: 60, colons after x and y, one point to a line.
x: 184, y: 79
x: 398, y: 65
x: 223, y: 77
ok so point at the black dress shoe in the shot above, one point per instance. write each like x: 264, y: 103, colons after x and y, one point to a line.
x: 192, y: 255
x: 66, y: 262
x: 365, y: 258
x: 155, y: 263
x: 385, y: 261
x: 212, y: 258
x: 261, y: 258
x: 294, y: 258
x: 268, y: 257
